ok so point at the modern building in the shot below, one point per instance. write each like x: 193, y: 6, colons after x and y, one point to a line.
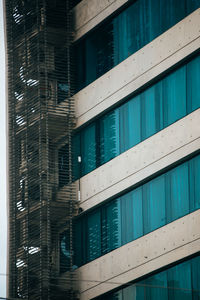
x: 104, y: 145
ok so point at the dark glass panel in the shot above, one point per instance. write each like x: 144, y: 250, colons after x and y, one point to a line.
x: 130, y: 124
x: 154, y: 204
x: 156, y: 287
x: 109, y: 136
x: 179, y: 282
x: 179, y: 192
x: 174, y: 96
x: 193, y: 80
x: 111, y: 226
x: 93, y: 235
x: 194, y: 179
x: 88, y: 149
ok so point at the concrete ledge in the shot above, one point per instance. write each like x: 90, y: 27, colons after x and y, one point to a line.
x: 174, y: 241
x: 140, y: 68
x: 141, y: 161
x: 89, y: 13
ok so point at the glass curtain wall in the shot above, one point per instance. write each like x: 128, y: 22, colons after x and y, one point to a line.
x: 124, y: 34
x: 152, y: 205
x: 157, y: 107
x: 180, y: 282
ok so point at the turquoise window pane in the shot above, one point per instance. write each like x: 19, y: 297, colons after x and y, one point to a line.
x: 154, y: 204
x: 126, y: 33
x: 193, y: 81
x: 148, y: 113
x: 109, y: 136
x: 111, y: 226
x: 127, y: 218
x: 140, y: 291
x: 192, y: 5
x: 79, y: 52
x: 172, y: 12
x: 137, y: 213
x: 130, y: 124
x: 156, y: 287
x: 88, y: 149
x: 179, y: 282
x: 91, y: 46
x: 149, y: 20
x: 130, y: 293
x: 93, y: 235
x: 178, y: 201
x: 194, y: 168
x: 195, y: 266
x: 132, y: 218
x: 76, y: 151
x: 156, y: 16
x: 174, y: 96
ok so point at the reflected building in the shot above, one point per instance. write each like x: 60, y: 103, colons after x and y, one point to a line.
x: 104, y: 110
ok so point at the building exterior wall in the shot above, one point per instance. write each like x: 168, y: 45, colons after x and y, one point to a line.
x: 177, y: 240
x: 89, y: 13
x: 155, y: 250
x: 45, y: 114
x: 140, y: 162
x: 140, y: 68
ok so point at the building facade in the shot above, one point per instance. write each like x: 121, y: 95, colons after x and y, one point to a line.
x: 104, y: 140
x: 137, y: 137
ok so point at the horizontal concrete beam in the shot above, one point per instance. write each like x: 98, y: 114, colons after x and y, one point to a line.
x: 89, y: 13
x: 174, y: 241
x: 141, y: 161
x: 140, y: 68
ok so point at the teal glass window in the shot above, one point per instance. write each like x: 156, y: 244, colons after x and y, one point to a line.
x: 88, y: 149
x: 194, y: 179
x: 111, y: 227
x: 132, y: 216
x: 93, y: 236
x: 174, y: 96
x: 124, y: 34
x: 158, y: 106
x: 193, y: 79
x: 152, y: 205
x: 148, y: 103
x: 129, y: 124
x: 180, y: 282
x: 109, y: 136
x: 178, y: 192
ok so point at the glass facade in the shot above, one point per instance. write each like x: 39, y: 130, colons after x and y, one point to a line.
x: 160, y: 105
x: 124, y: 34
x: 180, y: 282
x: 138, y: 212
